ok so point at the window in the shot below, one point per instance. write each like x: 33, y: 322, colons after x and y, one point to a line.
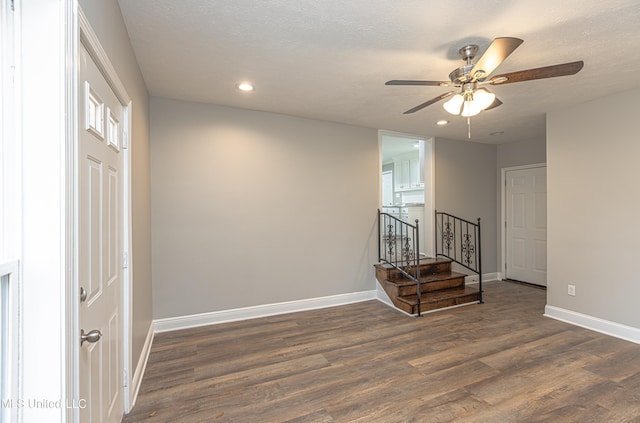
x: 9, y: 148
x: 10, y: 189
x: 8, y: 342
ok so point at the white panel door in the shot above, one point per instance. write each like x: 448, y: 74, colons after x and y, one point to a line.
x: 100, y: 243
x: 526, y: 225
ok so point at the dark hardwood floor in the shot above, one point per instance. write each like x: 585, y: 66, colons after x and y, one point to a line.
x: 501, y: 361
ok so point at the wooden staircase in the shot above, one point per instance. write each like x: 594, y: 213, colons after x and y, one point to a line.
x: 440, y: 287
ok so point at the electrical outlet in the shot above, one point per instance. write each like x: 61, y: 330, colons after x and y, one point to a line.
x: 571, y: 290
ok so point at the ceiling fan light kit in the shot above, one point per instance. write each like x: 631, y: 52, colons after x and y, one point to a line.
x: 471, y: 100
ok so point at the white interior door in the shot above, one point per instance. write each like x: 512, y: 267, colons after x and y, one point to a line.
x: 526, y: 225
x: 100, y: 243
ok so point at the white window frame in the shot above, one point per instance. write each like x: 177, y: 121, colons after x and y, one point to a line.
x: 10, y: 218
x: 9, y: 341
x: 9, y: 148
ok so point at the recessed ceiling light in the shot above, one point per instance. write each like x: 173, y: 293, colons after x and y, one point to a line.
x: 245, y: 86
x: 442, y: 122
x: 497, y: 133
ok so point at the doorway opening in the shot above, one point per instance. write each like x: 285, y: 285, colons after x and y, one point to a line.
x: 406, y: 182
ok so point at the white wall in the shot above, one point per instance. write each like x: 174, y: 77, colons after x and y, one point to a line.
x: 253, y: 208
x: 593, y: 205
x: 106, y: 20
x: 512, y: 154
x: 466, y: 187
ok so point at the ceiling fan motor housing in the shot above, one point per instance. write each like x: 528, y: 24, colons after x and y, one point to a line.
x: 468, y: 52
x: 461, y: 74
x: 469, y: 87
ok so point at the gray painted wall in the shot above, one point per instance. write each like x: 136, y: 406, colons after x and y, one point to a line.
x: 509, y: 155
x: 522, y: 153
x: 465, y: 174
x: 106, y: 20
x: 254, y: 208
x: 593, y: 205
x: 305, y: 180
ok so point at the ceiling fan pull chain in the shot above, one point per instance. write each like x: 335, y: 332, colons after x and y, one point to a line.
x: 469, y: 126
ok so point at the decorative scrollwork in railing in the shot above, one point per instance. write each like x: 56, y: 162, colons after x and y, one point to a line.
x: 391, y: 240
x: 407, y: 253
x: 399, y: 243
x: 468, y: 250
x: 401, y: 247
x: 459, y: 240
x: 447, y: 237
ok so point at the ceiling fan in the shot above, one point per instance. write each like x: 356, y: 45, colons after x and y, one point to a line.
x: 470, y: 98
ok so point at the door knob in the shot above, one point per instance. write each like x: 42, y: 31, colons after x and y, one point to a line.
x: 83, y: 295
x: 93, y: 336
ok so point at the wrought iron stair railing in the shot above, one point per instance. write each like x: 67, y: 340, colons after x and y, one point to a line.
x: 399, y: 247
x: 459, y: 240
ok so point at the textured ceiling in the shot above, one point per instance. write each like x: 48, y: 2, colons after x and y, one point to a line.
x: 329, y: 59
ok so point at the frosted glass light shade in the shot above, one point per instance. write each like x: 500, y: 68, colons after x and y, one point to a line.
x: 471, y: 103
x: 470, y: 108
x: 454, y: 105
x: 483, y: 98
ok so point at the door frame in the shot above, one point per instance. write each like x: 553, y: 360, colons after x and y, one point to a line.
x: 503, y: 211
x: 85, y: 35
x: 428, y: 221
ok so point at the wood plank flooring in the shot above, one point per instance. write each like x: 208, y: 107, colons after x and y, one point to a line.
x: 501, y: 361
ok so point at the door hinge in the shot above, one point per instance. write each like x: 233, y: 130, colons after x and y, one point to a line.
x: 125, y: 259
x: 13, y: 6
x: 125, y: 140
x: 125, y: 378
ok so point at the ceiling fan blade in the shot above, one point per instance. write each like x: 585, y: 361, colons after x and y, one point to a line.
x: 538, y: 73
x: 430, y: 102
x: 493, y: 105
x: 430, y: 83
x: 499, y: 50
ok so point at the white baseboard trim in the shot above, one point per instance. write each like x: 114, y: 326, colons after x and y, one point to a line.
x: 628, y: 333
x: 224, y: 316
x: 486, y: 277
x: 136, y: 381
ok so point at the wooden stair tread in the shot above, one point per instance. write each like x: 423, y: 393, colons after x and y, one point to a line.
x: 423, y: 261
x: 437, y: 277
x: 436, y: 296
x: 440, y: 286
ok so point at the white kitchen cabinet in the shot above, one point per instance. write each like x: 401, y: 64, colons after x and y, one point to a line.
x: 402, y: 170
x: 416, y: 180
x: 407, y: 173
